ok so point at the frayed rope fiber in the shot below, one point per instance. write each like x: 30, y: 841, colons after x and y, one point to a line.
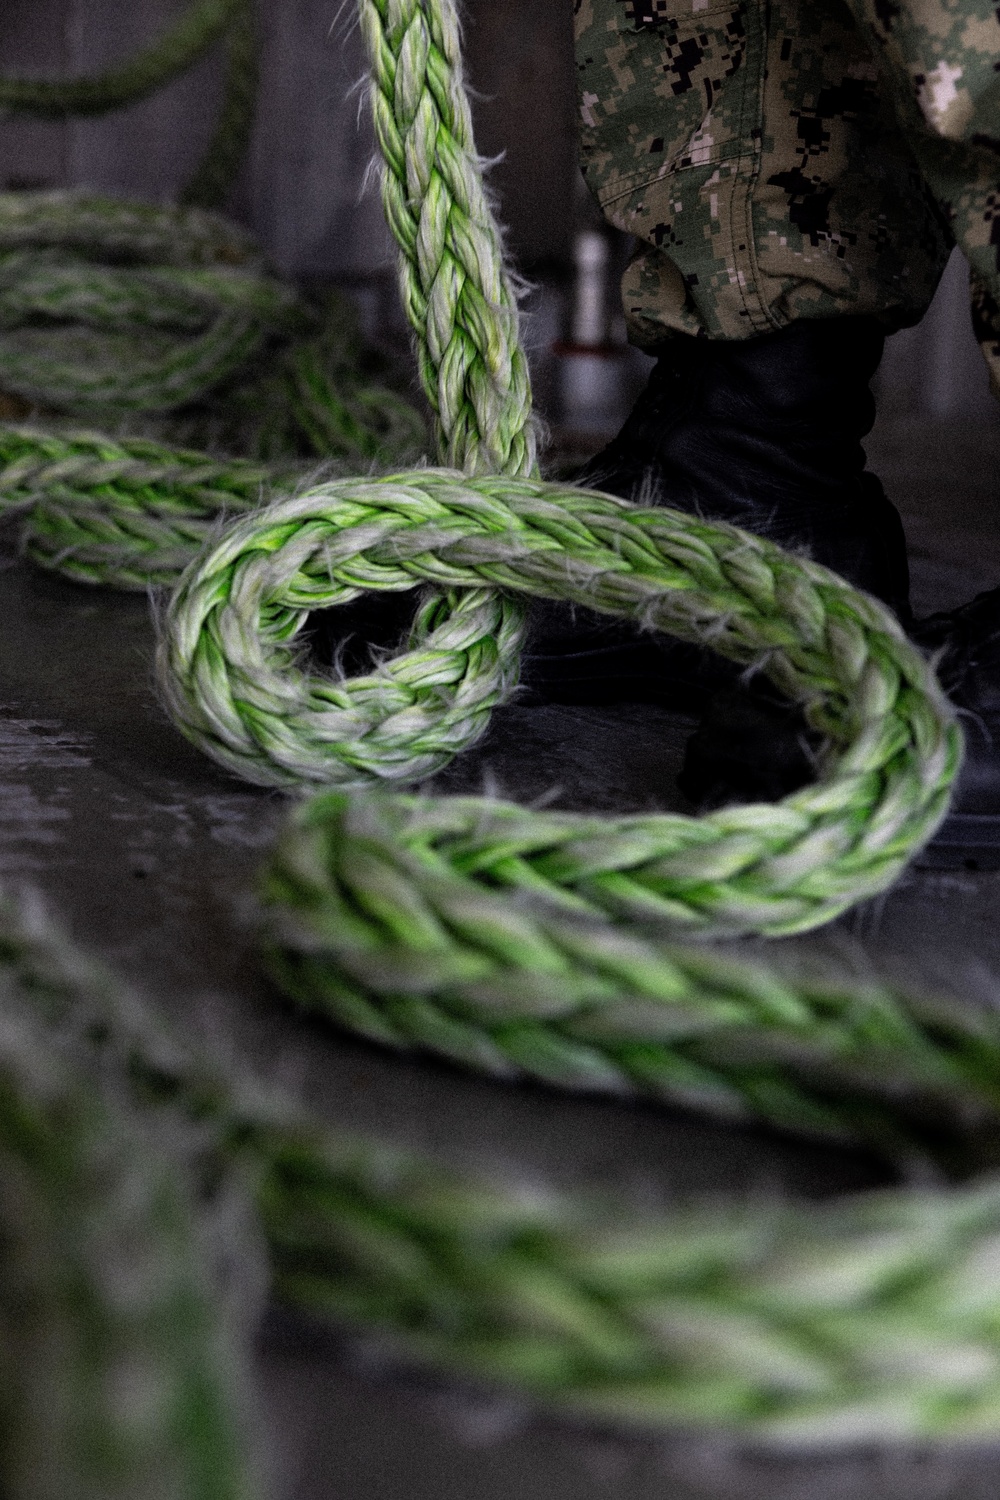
x: 826, y: 1327
x: 528, y: 943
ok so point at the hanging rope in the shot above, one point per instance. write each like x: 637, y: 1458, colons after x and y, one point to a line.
x: 456, y: 290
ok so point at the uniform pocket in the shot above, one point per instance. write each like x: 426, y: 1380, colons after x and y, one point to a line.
x: 659, y: 89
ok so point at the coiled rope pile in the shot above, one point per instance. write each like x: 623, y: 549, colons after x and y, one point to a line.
x: 546, y: 944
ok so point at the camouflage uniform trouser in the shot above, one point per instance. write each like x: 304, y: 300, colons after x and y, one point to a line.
x: 783, y: 159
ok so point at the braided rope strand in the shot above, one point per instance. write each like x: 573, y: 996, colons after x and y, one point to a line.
x: 226, y: 666
x: 820, y: 1326
x: 408, y: 922
x: 85, y: 355
x: 126, y: 513
x: 830, y: 1329
x: 485, y: 933
x: 108, y: 307
x: 456, y: 292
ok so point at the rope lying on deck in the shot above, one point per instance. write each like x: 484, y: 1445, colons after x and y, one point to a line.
x: 841, y: 1325
x: 534, y: 943
x: 869, y: 1321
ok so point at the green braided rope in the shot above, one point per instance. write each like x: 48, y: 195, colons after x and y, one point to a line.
x: 340, y: 416
x: 126, y: 514
x: 108, y: 308
x: 176, y: 50
x: 120, y: 1373
x: 870, y: 1321
x: 483, y: 933
x: 455, y: 926
x: 456, y: 291
x: 228, y: 669
x: 274, y: 723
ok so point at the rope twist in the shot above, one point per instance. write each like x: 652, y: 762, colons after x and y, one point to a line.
x: 457, y: 293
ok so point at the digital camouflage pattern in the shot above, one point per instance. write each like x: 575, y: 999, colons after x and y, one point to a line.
x: 798, y: 158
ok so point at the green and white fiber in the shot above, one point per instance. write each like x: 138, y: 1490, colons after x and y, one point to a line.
x: 229, y: 670
x: 227, y: 659
x: 129, y: 513
x: 123, y: 1356
x: 486, y: 934
x: 524, y: 943
x: 827, y: 1327
x: 871, y: 1322
x: 167, y: 319
x: 124, y: 232
x: 457, y: 293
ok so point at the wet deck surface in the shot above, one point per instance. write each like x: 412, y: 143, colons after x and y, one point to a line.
x: 148, y: 854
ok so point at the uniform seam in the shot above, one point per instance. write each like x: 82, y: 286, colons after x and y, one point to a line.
x: 758, y: 163
x: 757, y: 314
x: 637, y: 180
x: 695, y: 17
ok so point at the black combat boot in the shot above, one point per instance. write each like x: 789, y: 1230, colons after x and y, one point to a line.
x: 764, y: 433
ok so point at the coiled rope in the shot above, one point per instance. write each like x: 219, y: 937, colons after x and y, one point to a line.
x: 195, y: 291
x: 168, y: 318
x: 870, y: 1321
x: 110, y: 308
x: 533, y: 943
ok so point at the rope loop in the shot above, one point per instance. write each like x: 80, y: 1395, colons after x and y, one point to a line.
x: 228, y: 668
